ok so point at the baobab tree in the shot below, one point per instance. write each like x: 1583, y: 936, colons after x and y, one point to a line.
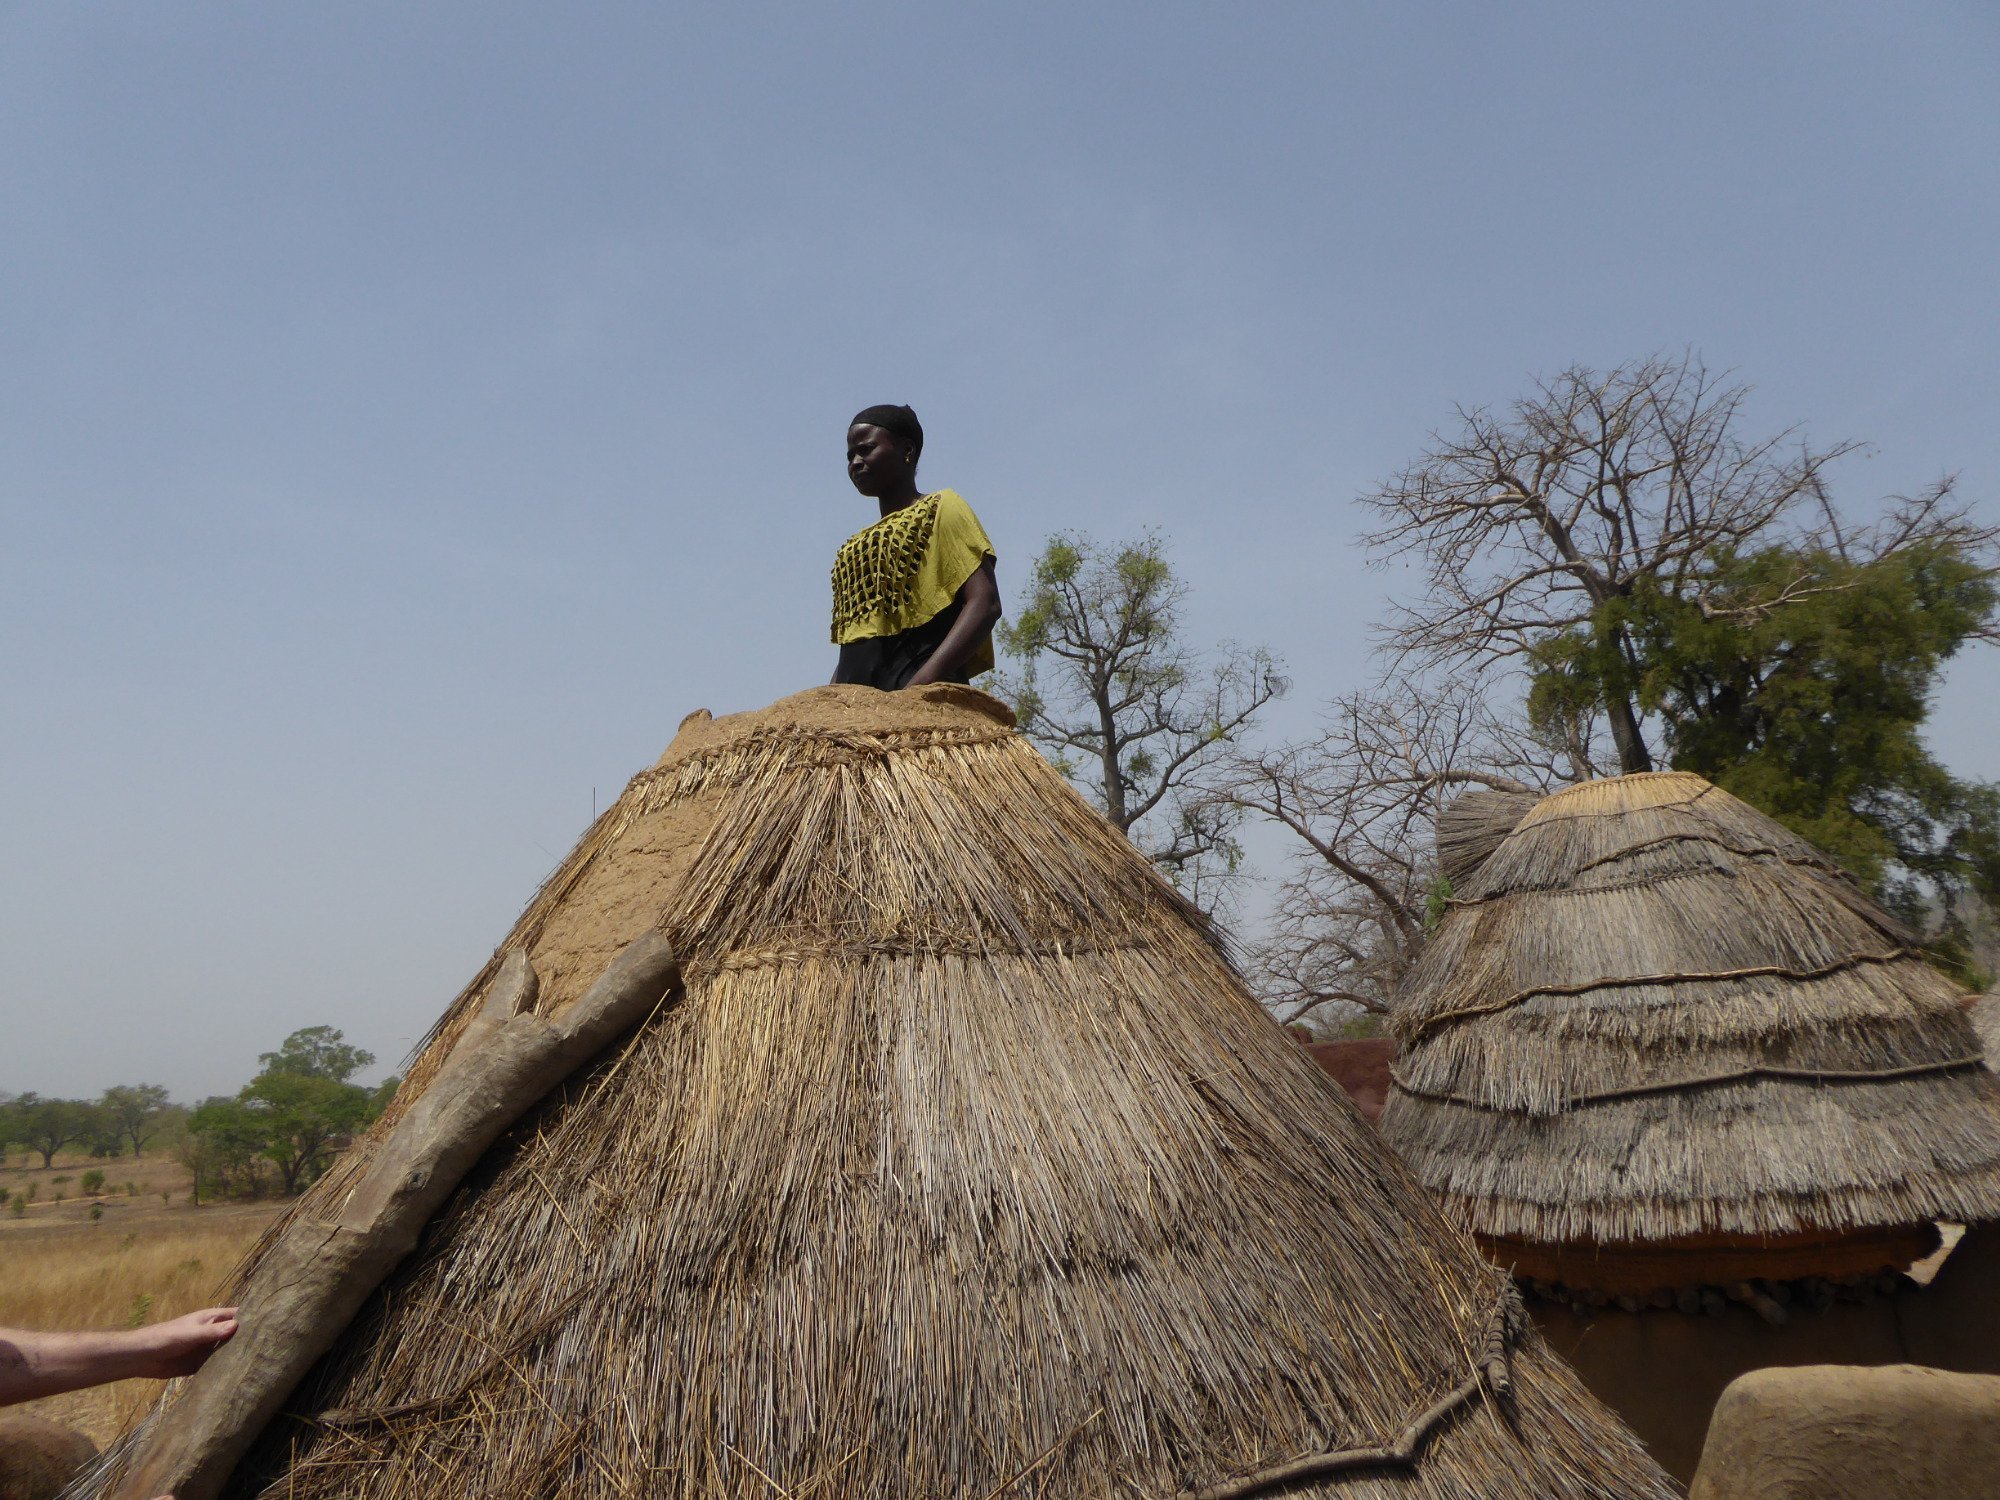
x: 1650, y: 568
x: 1541, y: 522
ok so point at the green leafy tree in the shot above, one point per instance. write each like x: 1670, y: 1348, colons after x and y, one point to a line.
x: 1799, y: 680
x: 100, y: 1135
x: 317, y: 1052
x: 1112, y: 692
x: 304, y: 1118
x: 136, y: 1111
x: 1537, y: 521
x: 303, y: 1104
x: 45, y: 1126
x: 221, y: 1147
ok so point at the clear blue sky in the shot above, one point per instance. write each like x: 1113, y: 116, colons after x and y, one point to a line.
x: 409, y: 412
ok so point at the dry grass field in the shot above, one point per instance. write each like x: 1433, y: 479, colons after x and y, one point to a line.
x: 143, y: 1259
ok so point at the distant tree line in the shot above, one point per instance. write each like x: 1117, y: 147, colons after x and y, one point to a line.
x: 1615, y: 575
x: 275, y: 1134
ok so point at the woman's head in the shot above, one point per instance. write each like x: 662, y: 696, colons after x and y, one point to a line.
x: 883, y: 444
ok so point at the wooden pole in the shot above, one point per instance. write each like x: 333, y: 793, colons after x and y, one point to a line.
x: 309, y: 1285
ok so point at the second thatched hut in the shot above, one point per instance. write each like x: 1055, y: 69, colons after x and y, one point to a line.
x: 1660, y: 1042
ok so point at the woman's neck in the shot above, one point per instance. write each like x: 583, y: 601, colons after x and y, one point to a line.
x: 900, y: 499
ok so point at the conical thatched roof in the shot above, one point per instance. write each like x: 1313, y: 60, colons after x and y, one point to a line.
x: 1653, y: 1013
x: 960, y: 1165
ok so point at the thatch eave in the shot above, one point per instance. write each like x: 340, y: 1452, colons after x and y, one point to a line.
x: 1644, y: 1269
x: 1621, y: 818
x: 1742, y: 1157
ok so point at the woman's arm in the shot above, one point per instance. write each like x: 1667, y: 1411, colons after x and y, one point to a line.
x: 978, y: 611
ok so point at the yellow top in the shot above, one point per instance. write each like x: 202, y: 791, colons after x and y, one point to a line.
x: 907, y: 568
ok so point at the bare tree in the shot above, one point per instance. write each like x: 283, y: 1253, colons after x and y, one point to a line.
x: 1552, y: 537
x: 1125, y: 708
x: 1361, y: 799
x: 1539, y: 521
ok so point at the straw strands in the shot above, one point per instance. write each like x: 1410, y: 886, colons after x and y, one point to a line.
x: 1985, y: 1014
x: 1652, y: 1012
x: 1472, y: 826
x: 961, y: 1166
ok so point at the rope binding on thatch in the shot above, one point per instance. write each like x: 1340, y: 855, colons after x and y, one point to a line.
x: 1615, y: 809
x: 1645, y: 882
x: 823, y: 747
x: 792, y: 955
x: 1744, y: 851
x: 1490, y: 1375
x: 1710, y: 1080
x: 1423, y: 1026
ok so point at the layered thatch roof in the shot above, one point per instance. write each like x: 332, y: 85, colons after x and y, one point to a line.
x: 1472, y: 826
x: 1985, y: 1015
x: 1652, y: 1013
x: 960, y: 1165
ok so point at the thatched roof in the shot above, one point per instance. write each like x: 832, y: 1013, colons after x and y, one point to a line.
x: 1984, y: 1013
x: 1472, y: 826
x: 961, y: 1165
x: 1652, y: 1012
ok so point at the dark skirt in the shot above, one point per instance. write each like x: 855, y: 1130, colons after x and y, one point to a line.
x: 890, y: 661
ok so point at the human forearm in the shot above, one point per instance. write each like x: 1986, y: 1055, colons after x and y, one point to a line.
x: 33, y: 1364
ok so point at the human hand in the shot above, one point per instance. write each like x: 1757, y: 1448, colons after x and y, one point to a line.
x: 182, y: 1345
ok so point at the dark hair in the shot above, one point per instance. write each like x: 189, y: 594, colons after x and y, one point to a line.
x: 899, y: 420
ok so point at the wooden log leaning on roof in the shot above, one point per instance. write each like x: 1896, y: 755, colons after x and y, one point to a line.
x: 312, y: 1282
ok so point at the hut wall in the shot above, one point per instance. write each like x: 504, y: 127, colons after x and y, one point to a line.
x: 1664, y: 1371
x: 1361, y: 1066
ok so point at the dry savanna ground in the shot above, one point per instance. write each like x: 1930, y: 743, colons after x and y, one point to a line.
x: 144, y: 1258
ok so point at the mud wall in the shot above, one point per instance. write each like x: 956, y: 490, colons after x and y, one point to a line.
x: 1663, y: 1371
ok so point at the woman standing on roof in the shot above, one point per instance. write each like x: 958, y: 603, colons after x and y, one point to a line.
x: 914, y: 600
